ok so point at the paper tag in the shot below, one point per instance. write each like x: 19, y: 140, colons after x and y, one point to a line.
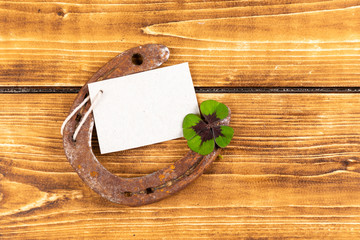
x: 143, y: 108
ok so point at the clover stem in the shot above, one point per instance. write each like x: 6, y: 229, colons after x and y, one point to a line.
x: 211, y: 125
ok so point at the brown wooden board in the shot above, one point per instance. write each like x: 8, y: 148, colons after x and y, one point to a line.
x: 255, y: 43
x: 288, y: 69
x: 291, y: 171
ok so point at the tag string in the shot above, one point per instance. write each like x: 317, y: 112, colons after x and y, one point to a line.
x: 86, y: 115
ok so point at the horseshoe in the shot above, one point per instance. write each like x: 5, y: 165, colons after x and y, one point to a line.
x: 129, y: 191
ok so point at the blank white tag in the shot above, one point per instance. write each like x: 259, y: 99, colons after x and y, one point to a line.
x: 143, y: 108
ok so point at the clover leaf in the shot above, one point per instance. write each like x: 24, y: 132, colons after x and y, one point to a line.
x: 203, y: 133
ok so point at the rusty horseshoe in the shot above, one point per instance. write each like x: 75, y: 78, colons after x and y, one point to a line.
x: 129, y: 191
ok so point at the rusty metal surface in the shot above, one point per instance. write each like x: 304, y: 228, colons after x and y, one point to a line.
x: 129, y: 191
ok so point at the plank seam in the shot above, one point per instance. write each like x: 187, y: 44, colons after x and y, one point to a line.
x: 62, y: 90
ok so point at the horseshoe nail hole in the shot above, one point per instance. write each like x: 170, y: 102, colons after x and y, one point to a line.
x: 137, y: 59
x: 78, y: 117
x: 61, y: 12
x: 127, y: 194
x: 149, y: 190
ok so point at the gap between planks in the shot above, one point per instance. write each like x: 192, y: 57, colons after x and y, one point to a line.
x: 23, y: 90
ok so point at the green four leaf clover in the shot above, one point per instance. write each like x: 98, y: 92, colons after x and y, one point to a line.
x: 203, y: 133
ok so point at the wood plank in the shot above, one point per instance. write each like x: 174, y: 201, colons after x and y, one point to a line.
x: 256, y: 43
x: 291, y: 171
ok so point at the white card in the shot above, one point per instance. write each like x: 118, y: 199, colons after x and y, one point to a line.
x: 143, y: 108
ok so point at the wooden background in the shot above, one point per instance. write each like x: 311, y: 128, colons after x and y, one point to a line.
x: 288, y: 69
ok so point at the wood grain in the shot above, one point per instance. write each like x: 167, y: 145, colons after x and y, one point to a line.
x: 255, y: 43
x: 291, y: 171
